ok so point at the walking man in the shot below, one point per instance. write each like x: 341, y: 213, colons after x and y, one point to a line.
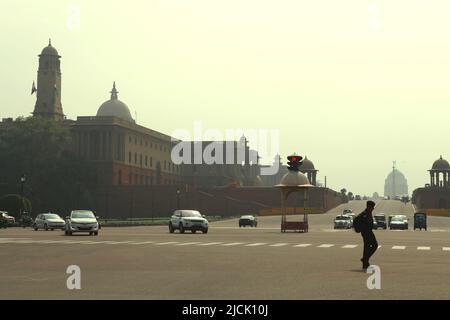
x: 370, y: 242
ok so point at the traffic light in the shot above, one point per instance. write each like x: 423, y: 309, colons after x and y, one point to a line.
x: 294, y: 162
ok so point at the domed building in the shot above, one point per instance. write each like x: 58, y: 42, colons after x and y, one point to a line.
x: 440, y: 167
x: 436, y: 194
x: 114, y: 107
x: 395, y: 184
x: 309, y: 170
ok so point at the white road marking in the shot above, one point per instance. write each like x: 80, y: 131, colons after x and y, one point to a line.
x: 209, y: 243
x: 232, y: 244
x: 143, y: 242
x: 325, y: 245
x: 256, y: 244
x: 302, y: 245
x: 349, y: 246
x: 398, y: 247
x: 278, y: 245
x: 164, y: 243
x: 445, y: 248
x: 379, y: 247
x: 187, y: 243
x: 423, y: 248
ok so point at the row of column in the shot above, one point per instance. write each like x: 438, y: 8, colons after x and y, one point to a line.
x: 311, y: 177
x: 435, y: 179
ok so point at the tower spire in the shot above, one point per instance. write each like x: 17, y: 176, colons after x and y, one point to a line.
x: 114, y: 92
x: 49, y: 42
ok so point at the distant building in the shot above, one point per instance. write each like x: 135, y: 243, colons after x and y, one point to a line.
x: 436, y: 194
x: 395, y: 184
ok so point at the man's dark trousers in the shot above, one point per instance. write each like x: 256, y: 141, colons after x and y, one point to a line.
x: 370, y: 244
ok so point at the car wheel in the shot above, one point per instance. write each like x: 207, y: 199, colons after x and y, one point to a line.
x: 181, y: 228
x: 96, y: 233
x: 240, y: 226
x: 193, y: 231
x: 52, y: 229
x: 45, y: 227
x: 35, y: 228
x: 171, y: 229
x: 205, y: 230
x: 91, y: 233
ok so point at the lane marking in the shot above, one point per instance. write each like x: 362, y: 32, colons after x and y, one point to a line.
x: 445, y: 248
x: 423, y: 248
x: 187, y: 243
x: 349, y: 246
x: 210, y: 243
x: 164, y: 243
x: 278, y: 245
x: 256, y: 244
x: 142, y: 242
x: 232, y: 244
x: 326, y: 245
x: 398, y: 247
x: 302, y: 245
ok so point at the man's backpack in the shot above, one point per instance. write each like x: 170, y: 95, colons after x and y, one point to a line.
x: 358, y: 223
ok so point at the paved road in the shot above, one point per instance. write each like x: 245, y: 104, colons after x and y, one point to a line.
x: 229, y: 262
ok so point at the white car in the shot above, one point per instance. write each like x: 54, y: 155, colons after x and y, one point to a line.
x: 49, y: 221
x: 81, y: 221
x: 399, y: 222
x: 188, y: 220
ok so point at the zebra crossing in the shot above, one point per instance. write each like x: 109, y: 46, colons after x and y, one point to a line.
x: 322, y: 246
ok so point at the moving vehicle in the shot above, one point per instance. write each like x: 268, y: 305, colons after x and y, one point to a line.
x: 398, y: 222
x: 188, y: 220
x: 9, y: 219
x: 248, y: 220
x: 81, y: 221
x: 420, y: 221
x: 343, y: 222
x: 357, y: 197
x: 48, y: 221
x: 380, y: 218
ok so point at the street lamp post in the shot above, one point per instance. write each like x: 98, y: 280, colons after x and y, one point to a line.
x: 22, y: 181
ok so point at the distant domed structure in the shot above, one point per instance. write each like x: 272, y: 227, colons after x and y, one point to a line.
x: 49, y: 50
x: 308, y: 168
x: 440, y: 169
x: 114, y: 107
x: 395, y: 184
x: 441, y: 164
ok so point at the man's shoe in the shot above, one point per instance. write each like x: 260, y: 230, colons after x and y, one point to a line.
x: 366, y: 265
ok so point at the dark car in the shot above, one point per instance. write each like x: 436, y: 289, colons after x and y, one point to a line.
x: 357, y: 197
x: 248, y: 221
x: 380, y: 218
x: 420, y: 221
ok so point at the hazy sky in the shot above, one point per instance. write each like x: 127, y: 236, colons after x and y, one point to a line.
x: 353, y: 84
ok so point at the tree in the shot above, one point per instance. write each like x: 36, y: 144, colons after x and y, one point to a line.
x: 41, y: 149
x: 344, y: 196
x: 350, y: 195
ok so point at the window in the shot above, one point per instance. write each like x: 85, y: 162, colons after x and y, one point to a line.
x: 146, y: 143
x: 120, y: 177
x: 146, y: 161
x: 141, y: 142
x: 160, y: 147
x: 151, y: 145
x: 140, y: 159
x: 130, y: 179
x: 151, y: 161
x: 165, y: 165
x: 135, y: 157
x: 129, y: 157
x: 130, y: 139
x: 135, y: 140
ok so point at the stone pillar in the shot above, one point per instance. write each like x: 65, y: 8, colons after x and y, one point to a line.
x: 431, y: 179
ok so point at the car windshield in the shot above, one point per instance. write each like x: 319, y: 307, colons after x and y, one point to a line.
x: 397, y: 219
x: 342, y: 218
x: 51, y: 216
x: 82, y: 214
x: 191, y: 214
x: 380, y: 217
x: 247, y: 217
